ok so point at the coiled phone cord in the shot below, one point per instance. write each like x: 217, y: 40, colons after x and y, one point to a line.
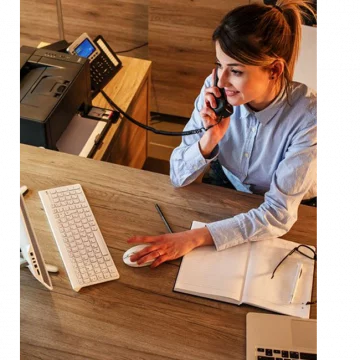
x: 156, y: 131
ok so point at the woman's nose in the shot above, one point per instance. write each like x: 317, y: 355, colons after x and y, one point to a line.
x: 221, y: 79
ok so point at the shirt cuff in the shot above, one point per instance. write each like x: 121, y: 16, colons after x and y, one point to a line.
x: 226, y: 233
x: 213, y: 155
x: 194, y: 160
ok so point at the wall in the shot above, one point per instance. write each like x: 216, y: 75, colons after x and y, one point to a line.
x: 38, y: 22
x: 181, y: 49
x: 178, y: 32
x: 123, y: 23
x: 306, y: 69
x: 179, y: 35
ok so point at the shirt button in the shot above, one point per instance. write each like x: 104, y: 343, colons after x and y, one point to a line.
x: 253, y: 129
x: 246, y: 155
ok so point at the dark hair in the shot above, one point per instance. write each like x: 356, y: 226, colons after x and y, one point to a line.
x: 259, y: 34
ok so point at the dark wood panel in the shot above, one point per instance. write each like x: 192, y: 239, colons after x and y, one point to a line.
x: 130, y: 148
x: 181, y: 49
x: 125, y: 143
x: 38, y: 22
x: 123, y: 24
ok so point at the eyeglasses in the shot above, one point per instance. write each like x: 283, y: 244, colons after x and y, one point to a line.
x: 301, y: 249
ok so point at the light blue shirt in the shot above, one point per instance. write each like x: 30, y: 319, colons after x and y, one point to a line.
x: 270, y: 152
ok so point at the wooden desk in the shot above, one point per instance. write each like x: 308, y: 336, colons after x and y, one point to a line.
x: 138, y: 316
x: 126, y: 143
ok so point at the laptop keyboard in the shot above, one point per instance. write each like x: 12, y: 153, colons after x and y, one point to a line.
x: 280, y: 354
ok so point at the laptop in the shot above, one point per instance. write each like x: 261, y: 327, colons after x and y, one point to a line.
x: 278, y: 337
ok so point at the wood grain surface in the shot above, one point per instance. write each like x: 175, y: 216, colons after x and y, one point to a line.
x: 182, y: 51
x: 122, y: 23
x: 38, y: 22
x: 130, y: 90
x: 137, y: 316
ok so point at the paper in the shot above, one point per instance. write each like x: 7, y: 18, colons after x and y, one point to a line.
x: 242, y: 274
x: 199, y: 276
x: 79, y: 136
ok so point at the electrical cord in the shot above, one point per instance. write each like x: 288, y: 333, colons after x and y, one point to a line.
x: 136, y: 47
x: 156, y: 131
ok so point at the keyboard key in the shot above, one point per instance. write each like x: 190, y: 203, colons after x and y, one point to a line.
x: 307, y: 356
x: 266, y: 353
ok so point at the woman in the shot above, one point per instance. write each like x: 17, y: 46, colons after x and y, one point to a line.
x: 267, y: 146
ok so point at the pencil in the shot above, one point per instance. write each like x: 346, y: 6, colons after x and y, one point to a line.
x: 163, y: 218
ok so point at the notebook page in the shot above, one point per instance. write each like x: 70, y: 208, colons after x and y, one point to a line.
x: 275, y: 294
x: 214, y: 274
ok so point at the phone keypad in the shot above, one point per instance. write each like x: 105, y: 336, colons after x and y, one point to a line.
x: 105, y: 49
x: 100, y: 69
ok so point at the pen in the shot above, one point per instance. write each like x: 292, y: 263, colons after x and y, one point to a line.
x: 296, y: 281
x: 163, y: 218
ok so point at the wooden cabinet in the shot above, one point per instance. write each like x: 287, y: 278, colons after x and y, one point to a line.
x: 126, y: 143
x: 130, y: 145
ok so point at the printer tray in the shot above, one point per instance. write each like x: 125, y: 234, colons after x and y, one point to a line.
x: 82, y: 135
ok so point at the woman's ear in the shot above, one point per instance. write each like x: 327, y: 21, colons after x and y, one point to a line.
x: 276, y: 69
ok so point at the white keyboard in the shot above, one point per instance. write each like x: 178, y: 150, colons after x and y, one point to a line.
x: 82, y: 247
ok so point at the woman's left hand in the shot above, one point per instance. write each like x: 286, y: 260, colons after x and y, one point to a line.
x: 169, y: 246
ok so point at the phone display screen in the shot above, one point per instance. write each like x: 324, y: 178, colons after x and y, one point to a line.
x: 85, y: 49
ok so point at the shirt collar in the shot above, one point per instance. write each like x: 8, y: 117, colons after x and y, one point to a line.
x: 265, y: 115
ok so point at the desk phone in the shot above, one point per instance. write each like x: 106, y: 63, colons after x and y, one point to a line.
x: 104, y: 63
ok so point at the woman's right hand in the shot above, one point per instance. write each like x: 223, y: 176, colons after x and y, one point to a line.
x: 212, y: 136
x: 169, y: 246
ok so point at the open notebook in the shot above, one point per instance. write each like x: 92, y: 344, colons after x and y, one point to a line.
x: 242, y: 274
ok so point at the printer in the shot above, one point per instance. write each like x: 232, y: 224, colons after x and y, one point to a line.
x: 54, y: 86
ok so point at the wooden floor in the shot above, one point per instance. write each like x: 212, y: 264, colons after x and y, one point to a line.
x: 161, y: 146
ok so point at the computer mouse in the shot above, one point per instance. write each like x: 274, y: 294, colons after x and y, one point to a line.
x: 132, y: 251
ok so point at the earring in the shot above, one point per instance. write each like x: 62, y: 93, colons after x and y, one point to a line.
x: 272, y: 78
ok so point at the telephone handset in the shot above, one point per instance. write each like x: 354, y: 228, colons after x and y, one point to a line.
x: 104, y: 63
x: 223, y: 108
